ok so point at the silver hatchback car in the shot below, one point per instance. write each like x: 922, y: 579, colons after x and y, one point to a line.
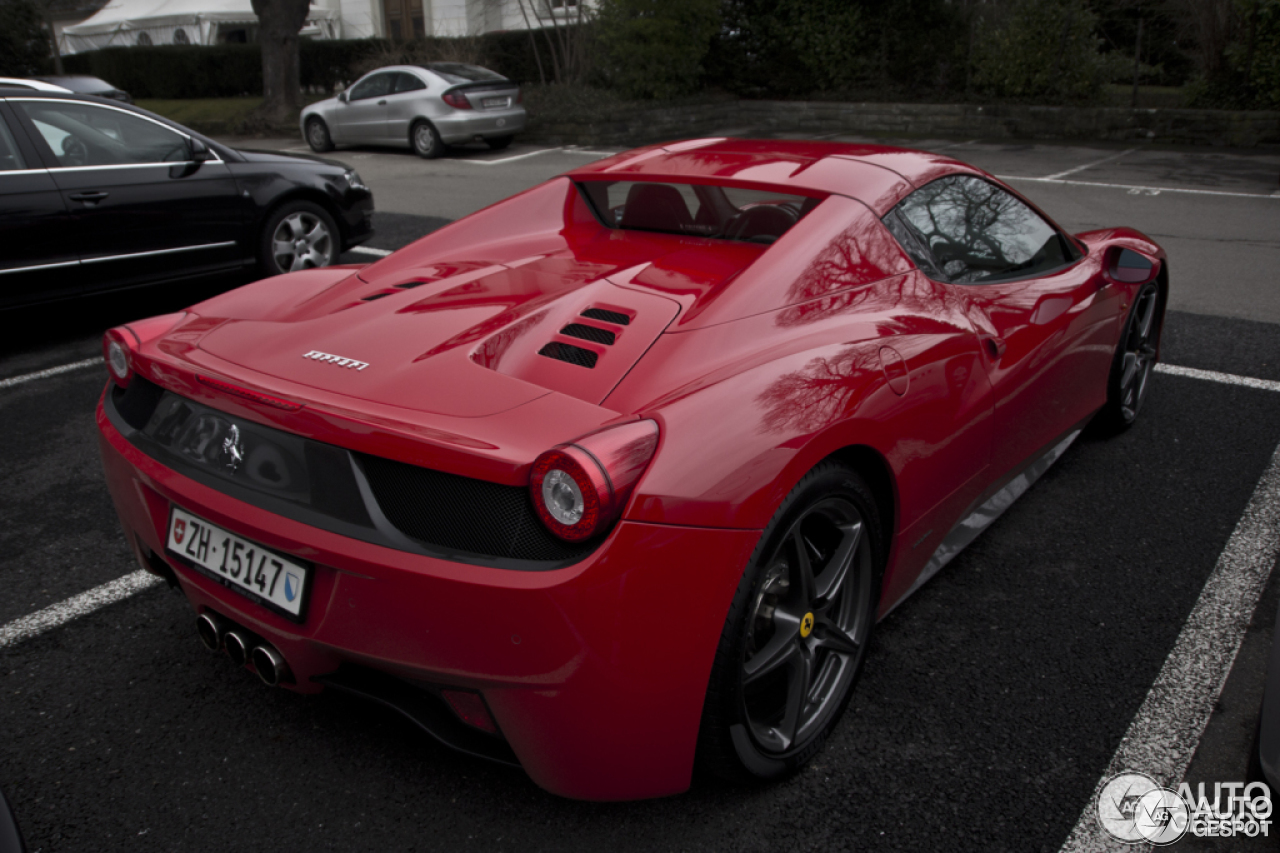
x: 426, y: 107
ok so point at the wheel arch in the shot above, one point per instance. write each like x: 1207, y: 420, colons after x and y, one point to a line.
x: 871, y: 465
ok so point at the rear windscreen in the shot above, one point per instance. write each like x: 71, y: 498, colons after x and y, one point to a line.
x: 457, y: 72
x: 698, y: 210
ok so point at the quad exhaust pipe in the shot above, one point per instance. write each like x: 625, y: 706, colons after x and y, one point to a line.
x: 217, y: 633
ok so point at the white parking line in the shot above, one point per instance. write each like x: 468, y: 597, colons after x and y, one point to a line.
x: 369, y: 250
x: 1165, y: 732
x: 1215, y: 376
x: 1133, y: 188
x: 52, y: 371
x: 86, y: 602
x: 509, y: 159
x: 1089, y: 165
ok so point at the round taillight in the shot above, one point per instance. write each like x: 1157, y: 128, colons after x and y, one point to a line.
x: 567, y: 497
x: 116, y: 352
x: 578, y: 489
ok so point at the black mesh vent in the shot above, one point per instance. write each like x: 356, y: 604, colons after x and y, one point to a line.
x: 136, y: 403
x: 374, y: 296
x: 445, y: 511
x: 589, y: 333
x: 405, y: 285
x: 570, y: 353
x: 607, y: 316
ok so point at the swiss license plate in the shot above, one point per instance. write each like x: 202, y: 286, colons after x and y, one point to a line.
x: 241, y: 564
x: 494, y: 102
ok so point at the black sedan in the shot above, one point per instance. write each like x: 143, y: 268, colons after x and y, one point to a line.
x: 96, y: 195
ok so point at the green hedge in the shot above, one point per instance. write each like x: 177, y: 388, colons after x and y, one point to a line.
x: 229, y: 70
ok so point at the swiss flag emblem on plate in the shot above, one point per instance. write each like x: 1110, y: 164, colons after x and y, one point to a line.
x: 179, y: 530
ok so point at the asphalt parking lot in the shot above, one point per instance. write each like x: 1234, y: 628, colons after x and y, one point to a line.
x: 993, y: 701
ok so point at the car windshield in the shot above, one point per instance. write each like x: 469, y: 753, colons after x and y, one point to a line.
x: 699, y: 210
x: 456, y: 72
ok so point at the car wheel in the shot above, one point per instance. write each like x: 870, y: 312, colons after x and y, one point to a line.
x: 299, y: 235
x: 425, y: 141
x: 1134, y: 360
x: 318, y: 135
x: 498, y: 143
x: 797, y: 631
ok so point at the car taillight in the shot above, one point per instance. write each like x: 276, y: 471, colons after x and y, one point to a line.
x: 579, y: 488
x: 457, y: 100
x: 117, y: 351
x: 520, y: 96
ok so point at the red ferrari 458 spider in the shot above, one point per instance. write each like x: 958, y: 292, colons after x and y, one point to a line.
x: 615, y: 476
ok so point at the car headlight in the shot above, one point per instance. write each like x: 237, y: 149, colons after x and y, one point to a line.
x: 354, y: 180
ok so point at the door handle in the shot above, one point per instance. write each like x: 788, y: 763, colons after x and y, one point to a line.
x: 88, y: 197
x: 995, y: 346
x: 382, y: 103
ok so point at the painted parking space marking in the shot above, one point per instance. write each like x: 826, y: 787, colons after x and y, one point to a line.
x: 1110, y: 159
x: 52, y: 371
x: 1164, y: 734
x: 1215, y: 376
x: 369, y: 250
x: 510, y: 159
x: 1134, y: 189
x: 56, y: 615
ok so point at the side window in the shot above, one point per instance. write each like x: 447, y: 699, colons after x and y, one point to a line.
x: 373, y: 87
x: 408, y: 83
x: 87, y: 135
x: 966, y: 230
x: 10, y: 156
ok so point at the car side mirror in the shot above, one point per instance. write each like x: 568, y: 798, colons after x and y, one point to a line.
x: 1129, y: 267
x: 200, y: 152
x: 342, y: 96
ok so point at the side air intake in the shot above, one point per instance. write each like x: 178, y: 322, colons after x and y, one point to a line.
x: 589, y: 333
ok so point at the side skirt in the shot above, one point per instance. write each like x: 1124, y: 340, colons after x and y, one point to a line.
x: 984, y: 515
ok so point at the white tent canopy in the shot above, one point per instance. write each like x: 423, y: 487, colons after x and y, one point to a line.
x: 123, y: 23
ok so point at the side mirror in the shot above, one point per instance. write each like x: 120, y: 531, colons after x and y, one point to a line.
x: 200, y: 152
x: 1129, y: 267
x: 342, y: 96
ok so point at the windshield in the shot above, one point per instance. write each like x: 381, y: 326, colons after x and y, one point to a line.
x: 699, y: 210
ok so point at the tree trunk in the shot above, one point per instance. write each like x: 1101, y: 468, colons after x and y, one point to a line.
x: 278, y: 24
x: 53, y: 43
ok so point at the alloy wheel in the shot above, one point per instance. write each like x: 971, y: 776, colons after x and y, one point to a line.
x: 1139, y: 354
x: 301, y: 241
x: 808, y: 627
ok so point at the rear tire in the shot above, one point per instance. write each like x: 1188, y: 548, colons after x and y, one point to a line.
x: 318, y: 135
x: 797, y: 631
x: 425, y: 141
x: 498, y: 143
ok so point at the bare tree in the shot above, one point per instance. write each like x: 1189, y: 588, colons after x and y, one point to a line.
x: 565, y: 37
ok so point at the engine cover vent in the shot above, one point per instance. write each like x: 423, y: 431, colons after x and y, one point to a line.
x: 608, y: 316
x: 589, y: 333
x: 570, y: 353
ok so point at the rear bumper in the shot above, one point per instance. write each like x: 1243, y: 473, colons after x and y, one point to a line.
x: 594, y: 673
x: 466, y: 125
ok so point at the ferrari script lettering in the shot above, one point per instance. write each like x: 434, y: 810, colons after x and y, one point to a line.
x: 316, y: 355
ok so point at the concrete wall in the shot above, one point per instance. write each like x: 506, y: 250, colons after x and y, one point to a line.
x: 634, y: 126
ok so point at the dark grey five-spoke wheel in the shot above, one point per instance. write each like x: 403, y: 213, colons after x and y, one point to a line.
x: 808, y: 626
x: 797, y: 632
x: 1135, y: 358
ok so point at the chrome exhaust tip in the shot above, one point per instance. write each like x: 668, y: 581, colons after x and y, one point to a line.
x: 270, y: 665
x: 237, y: 646
x: 210, y: 628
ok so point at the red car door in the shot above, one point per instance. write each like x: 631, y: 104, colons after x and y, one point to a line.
x: 1044, y: 314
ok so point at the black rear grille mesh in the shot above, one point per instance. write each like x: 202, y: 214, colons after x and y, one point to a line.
x: 446, y: 511
x: 608, y: 316
x: 570, y: 353
x: 589, y: 333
